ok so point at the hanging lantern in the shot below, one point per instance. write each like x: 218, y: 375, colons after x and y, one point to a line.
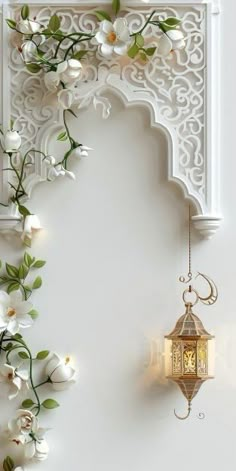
x: 189, y: 353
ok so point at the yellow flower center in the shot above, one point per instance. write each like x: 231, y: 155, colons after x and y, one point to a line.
x: 11, y: 312
x: 10, y: 376
x: 67, y: 360
x: 111, y: 37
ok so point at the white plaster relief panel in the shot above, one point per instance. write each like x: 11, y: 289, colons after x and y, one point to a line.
x: 179, y: 91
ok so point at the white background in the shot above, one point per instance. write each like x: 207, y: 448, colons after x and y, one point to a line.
x: 115, y: 243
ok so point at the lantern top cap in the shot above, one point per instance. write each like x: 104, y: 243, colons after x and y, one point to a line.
x: 189, y: 325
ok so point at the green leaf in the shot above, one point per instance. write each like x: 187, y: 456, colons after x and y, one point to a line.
x: 72, y: 112
x: 9, y: 346
x: 139, y: 39
x: 37, y: 282
x: 28, y: 259
x: 23, y: 355
x: 133, y: 51
x: 27, y: 403
x: 39, y: 264
x: 8, y: 464
x: 50, y: 404
x: 12, y: 287
x: 33, y: 314
x: 11, y: 23
x: 150, y: 51
x: 33, y: 68
x: 172, y: 21
x: 143, y: 56
x: 102, y: 15
x: 25, y: 12
x: 62, y: 136
x: 23, y: 271
x: 116, y: 6
x: 42, y: 355
x: 54, y: 23
x: 17, y: 337
x: 79, y: 54
x: 11, y: 270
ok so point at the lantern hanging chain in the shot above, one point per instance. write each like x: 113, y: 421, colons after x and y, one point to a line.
x: 190, y: 275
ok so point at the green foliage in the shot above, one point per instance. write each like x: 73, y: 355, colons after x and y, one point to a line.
x: 42, y: 355
x: 27, y: 403
x: 23, y: 355
x: 62, y: 136
x: 116, y: 6
x: 50, y: 404
x: 23, y: 271
x: 133, y: 51
x: 8, y: 464
x: 28, y: 259
x: 139, y: 39
x: 11, y: 23
x: 33, y: 67
x: 102, y: 15
x: 37, y: 283
x: 33, y: 314
x: 79, y: 54
x: 13, y: 287
x: 12, y: 271
x: 39, y: 264
x: 25, y: 12
x: 54, y: 23
x: 23, y: 210
x: 150, y: 51
x: 169, y: 23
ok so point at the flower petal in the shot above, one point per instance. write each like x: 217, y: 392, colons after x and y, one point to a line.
x: 13, y: 327
x: 15, y: 298
x: 107, y: 50
x: 175, y: 34
x: 106, y: 26
x: 121, y: 49
x: 100, y: 37
x: 165, y: 45
x: 121, y: 29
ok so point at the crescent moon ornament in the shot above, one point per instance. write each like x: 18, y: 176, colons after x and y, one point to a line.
x: 212, y: 298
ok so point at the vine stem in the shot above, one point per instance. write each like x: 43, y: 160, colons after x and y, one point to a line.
x: 23, y: 345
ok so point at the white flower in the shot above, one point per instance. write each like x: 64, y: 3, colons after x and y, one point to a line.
x: 29, y: 51
x: 29, y: 26
x: 81, y: 151
x: 171, y: 40
x: 19, y: 468
x: 59, y: 171
x: 11, y: 141
x: 60, y: 373
x: 50, y: 160
x: 14, y: 312
x: 113, y: 37
x: 24, y: 429
x: 69, y: 70
x: 65, y: 98
x: 51, y: 80
x: 15, y: 379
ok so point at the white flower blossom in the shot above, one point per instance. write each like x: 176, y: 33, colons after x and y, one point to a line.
x: 60, y: 373
x: 81, y: 151
x: 29, y: 51
x: 170, y: 41
x: 15, y: 379
x: 29, y: 26
x: 65, y: 98
x: 11, y: 141
x: 24, y: 429
x: 113, y: 37
x: 59, y: 171
x: 14, y: 312
x: 50, y: 160
x: 67, y: 72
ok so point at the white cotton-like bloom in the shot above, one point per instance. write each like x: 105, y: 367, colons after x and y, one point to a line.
x: 67, y: 72
x: 65, y: 98
x: 14, y: 378
x: 81, y: 151
x: 50, y: 160
x: 60, y: 171
x: 29, y: 26
x: 170, y: 41
x: 11, y: 141
x: 29, y: 51
x: 60, y: 373
x: 24, y: 429
x: 14, y: 312
x: 113, y: 37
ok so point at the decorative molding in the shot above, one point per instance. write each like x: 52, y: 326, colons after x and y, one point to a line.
x: 182, y: 94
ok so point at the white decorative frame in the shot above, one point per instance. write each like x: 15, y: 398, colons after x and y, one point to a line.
x: 182, y: 95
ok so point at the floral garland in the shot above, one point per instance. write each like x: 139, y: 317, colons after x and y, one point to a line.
x: 18, y: 362
x: 57, y: 56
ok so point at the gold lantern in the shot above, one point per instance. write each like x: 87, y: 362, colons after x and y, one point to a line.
x: 190, y: 353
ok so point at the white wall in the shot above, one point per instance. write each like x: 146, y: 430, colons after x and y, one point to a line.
x: 115, y: 243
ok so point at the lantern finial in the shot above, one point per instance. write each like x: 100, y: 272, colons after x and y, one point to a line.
x: 185, y: 416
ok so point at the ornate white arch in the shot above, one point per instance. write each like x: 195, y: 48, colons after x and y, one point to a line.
x: 182, y: 96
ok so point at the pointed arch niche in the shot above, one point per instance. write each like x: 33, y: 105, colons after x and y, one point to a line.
x: 181, y: 93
